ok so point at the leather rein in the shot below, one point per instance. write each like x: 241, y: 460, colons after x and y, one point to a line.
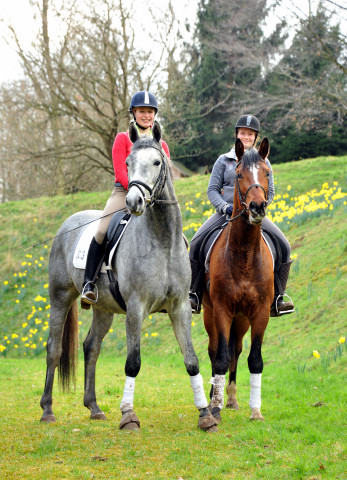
x: 158, y: 186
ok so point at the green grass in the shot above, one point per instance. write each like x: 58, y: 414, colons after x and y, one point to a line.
x: 303, y: 397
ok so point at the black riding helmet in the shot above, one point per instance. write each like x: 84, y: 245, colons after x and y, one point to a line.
x: 143, y: 99
x: 248, y: 121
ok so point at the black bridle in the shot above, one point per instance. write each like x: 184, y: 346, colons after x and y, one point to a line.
x: 243, y: 199
x: 158, y: 186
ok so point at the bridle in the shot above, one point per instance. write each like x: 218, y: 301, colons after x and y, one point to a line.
x: 158, y: 186
x: 243, y: 199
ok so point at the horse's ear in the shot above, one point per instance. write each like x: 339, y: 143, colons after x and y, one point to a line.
x: 133, y: 132
x: 264, y: 148
x: 239, y: 149
x: 156, y: 131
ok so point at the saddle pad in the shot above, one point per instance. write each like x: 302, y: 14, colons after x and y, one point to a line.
x: 114, y: 234
x: 215, y: 235
x: 81, y: 251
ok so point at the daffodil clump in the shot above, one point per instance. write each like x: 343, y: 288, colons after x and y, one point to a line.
x: 286, y: 209
x: 32, y: 337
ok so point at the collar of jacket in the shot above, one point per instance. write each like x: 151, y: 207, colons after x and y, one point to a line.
x: 231, y: 154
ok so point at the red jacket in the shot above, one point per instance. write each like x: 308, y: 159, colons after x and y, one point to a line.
x: 120, y: 151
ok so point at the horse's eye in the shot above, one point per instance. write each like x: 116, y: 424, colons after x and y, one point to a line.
x: 157, y: 163
x: 267, y: 174
x: 239, y: 175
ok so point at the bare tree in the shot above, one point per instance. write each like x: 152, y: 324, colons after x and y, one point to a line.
x: 80, y: 87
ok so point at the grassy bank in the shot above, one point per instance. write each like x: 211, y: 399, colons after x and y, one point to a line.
x: 305, y: 358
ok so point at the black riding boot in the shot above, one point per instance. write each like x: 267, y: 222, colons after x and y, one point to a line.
x: 196, y: 286
x: 279, y: 306
x: 89, y: 295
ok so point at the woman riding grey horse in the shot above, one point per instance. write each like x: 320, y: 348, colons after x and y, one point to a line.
x: 143, y: 107
x: 152, y: 268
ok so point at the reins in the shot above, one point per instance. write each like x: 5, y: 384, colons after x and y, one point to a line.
x: 72, y: 229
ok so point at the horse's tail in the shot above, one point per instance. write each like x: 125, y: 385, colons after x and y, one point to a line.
x: 68, y: 358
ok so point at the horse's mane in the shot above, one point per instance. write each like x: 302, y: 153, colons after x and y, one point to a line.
x: 251, y: 157
x: 149, y: 142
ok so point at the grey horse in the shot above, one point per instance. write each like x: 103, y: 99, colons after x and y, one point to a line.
x: 153, y: 272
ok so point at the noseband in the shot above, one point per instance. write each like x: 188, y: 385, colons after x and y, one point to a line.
x: 158, y: 186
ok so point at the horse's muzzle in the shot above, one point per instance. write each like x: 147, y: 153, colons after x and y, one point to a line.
x: 135, y: 202
x: 257, y: 212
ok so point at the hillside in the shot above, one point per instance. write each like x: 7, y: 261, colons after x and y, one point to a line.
x: 317, y: 282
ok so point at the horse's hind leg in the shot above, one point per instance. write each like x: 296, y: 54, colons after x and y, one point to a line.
x: 63, y: 314
x: 238, y: 329
x: 181, y: 321
x: 101, y: 324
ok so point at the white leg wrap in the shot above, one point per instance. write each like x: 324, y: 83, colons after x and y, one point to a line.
x: 218, y: 382
x: 127, y: 402
x: 255, y: 394
x: 200, y: 400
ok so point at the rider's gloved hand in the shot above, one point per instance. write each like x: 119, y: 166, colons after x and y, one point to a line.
x: 228, y: 210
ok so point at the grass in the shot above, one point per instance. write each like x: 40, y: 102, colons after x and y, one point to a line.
x: 303, y: 397
x: 302, y: 436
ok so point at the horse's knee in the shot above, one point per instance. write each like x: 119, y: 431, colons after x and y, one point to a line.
x: 192, y: 365
x: 255, y: 360
x: 222, y: 359
x: 133, y: 363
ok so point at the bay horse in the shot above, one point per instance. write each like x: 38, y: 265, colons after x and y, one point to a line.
x: 152, y: 268
x: 240, y: 284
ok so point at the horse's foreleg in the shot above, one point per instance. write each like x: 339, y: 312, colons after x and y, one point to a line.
x: 255, y: 365
x: 238, y: 329
x: 101, y: 324
x: 181, y: 318
x: 129, y: 419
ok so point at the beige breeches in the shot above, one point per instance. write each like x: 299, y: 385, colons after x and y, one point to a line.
x: 114, y: 203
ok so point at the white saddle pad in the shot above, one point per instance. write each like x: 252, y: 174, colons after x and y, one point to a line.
x: 82, y: 248
x: 81, y: 251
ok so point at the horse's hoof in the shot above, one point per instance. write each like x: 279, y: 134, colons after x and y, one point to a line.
x: 216, y: 414
x: 256, y: 415
x: 208, y: 423
x: 233, y: 405
x: 98, y: 416
x: 129, y: 421
x: 48, y: 418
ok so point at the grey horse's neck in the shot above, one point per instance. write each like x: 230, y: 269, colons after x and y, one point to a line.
x: 164, y: 219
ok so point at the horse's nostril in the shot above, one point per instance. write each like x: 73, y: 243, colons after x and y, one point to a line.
x: 139, y: 201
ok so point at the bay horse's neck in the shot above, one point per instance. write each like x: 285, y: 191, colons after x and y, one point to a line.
x: 244, y: 239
